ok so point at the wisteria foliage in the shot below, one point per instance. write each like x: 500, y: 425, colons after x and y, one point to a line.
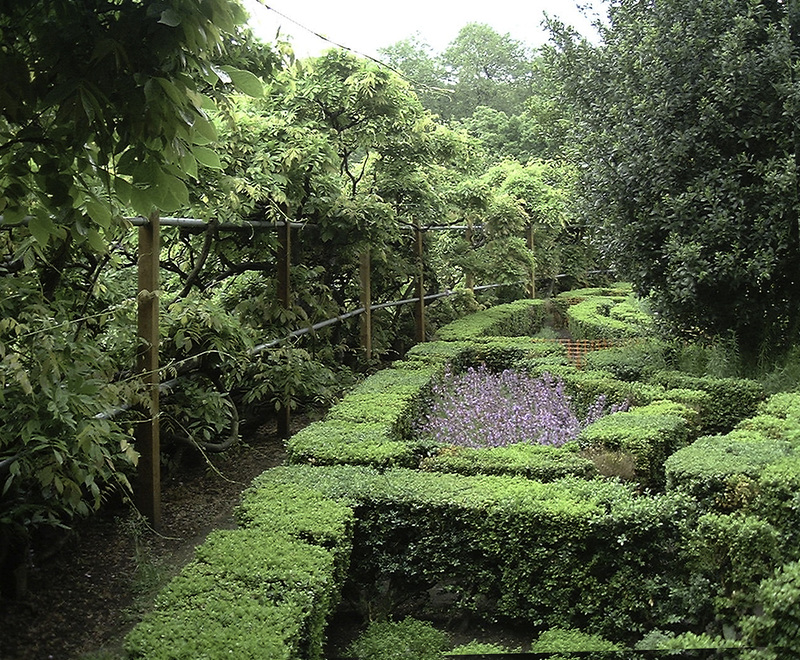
x: 479, y: 408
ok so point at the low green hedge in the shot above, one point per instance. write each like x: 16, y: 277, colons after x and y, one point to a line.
x: 732, y: 399
x: 564, y: 300
x: 560, y: 640
x: 518, y: 318
x: 608, y: 318
x: 540, y: 462
x: 785, y: 405
x: 731, y: 553
x: 778, y: 501
x: 302, y: 514
x: 571, y: 553
x: 775, y: 627
x: 371, y: 425
x: 334, y: 442
x: 722, y: 472
x: 630, y: 362
x: 390, y: 397
x: 585, y: 386
x: 409, y: 639
x: 648, y: 434
x: 497, y: 353
x: 247, y: 594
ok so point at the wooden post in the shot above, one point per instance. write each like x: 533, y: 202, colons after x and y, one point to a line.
x: 365, y: 277
x: 284, y: 265
x: 470, y: 276
x: 285, y: 297
x: 532, y: 287
x: 148, y: 441
x: 420, y: 286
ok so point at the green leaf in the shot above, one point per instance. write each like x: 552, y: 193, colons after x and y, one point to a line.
x: 141, y: 201
x: 96, y: 241
x: 207, y: 157
x: 41, y: 228
x: 204, y: 131
x: 189, y: 165
x: 245, y: 82
x: 100, y: 213
x: 170, y: 17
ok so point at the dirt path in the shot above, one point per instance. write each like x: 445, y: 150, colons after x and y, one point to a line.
x: 84, y: 599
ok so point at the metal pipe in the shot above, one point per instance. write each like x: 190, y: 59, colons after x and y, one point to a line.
x: 196, y: 223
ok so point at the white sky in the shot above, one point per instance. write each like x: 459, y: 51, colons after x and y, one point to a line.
x: 367, y: 25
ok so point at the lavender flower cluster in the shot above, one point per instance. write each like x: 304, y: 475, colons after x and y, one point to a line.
x: 478, y: 408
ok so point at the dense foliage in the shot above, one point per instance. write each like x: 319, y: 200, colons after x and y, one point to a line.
x: 687, y: 115
x: 103, y: 113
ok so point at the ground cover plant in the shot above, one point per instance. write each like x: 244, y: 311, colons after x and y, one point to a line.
x: 480, y: 408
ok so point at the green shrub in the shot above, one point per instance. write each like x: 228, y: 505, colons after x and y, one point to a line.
x: 608, y: 318
x: 247, y: 594
x: 437, y: 352
x: 541, y: 462
x: 408, y: 639
x: 391, y: 397
x: 334, y: 442
x: 732, y: 553
x: 499, y: 353
x: 574, y: 553
x: 629, y: 363
x: 567, y: 298
x: 482, y: 648
x: 585, y: 386
x: 559, y: 640
x: 697, y: 401
x: 722, y: 471
x: 371, y: 424
x: 519, y: 318
x: 785, y: 405
x: 734, y: 399
x: 778, y: 501
x: 775, y: 626
x: 646, y: 434
x: 303, y: 514
x: 660, y: 641
x: 496, y: 352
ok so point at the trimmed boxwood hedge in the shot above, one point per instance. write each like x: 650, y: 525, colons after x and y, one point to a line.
x: 371, y: 425
x: 518, y: 318
x: 246, y: 595
x: 649, y: 434
x: 778, y: 501
x: 574, y: 553
x: 732, y: 553
x: 332, y: 442
x: 630, y: 362
x: 733, y: 399
x: 722, y: 471
x: 540, y: 462
x: 608, y: 318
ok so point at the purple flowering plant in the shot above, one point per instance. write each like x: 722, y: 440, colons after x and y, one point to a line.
x: 479, y: 408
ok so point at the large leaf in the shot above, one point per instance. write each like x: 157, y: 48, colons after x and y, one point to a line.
x: 207, y: 157
x: 245, y: 82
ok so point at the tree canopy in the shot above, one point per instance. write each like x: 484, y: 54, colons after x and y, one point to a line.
x: 689, y: 118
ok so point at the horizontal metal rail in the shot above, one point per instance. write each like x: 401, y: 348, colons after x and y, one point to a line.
x: 185, y: 366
